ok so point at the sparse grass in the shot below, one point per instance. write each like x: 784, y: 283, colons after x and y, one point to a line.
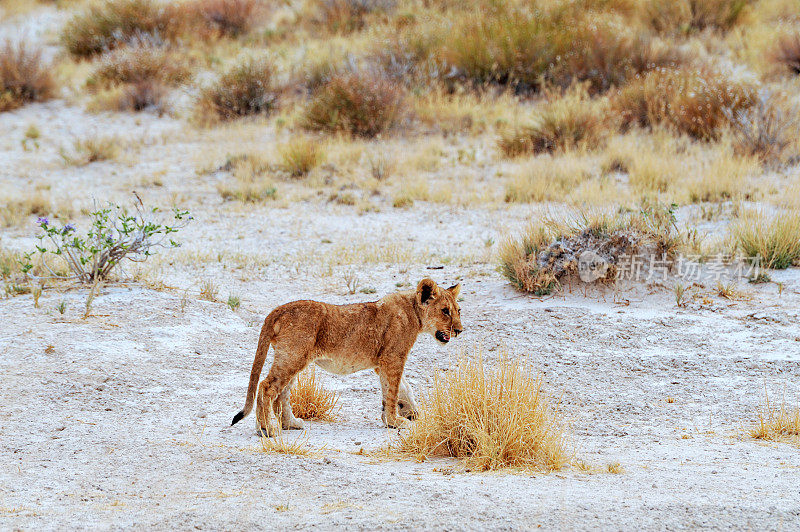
x: 778, y: 424
x: 548, y: 178
x: 246, y: 89
x: 250, y: 183
x: 567, y: 122
x: 106, y: 25
x: 692, y: 101
x: 615, y: 468
x: 92, y: 149
x: 774, y: 239
x: 234, y: 302
x: 301, y: 155
x: 208, y: 290
x: 14, y: 211
x: 281, y: 445
x: 491, y: 417
x: 24, y: 76
x: 311, y: 400
x: 731, y: 292
x: 362, y: 103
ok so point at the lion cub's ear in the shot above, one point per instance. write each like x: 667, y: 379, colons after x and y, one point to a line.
x: 455, y: 290
x: 426, y: 291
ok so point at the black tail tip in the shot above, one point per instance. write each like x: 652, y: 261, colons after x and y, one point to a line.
x: 237, y: 418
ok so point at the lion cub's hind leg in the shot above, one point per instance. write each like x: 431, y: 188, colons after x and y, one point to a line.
x: 288, y: 421
x: 284, y: 369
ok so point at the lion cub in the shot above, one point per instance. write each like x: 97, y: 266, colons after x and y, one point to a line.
x: 344, y: 339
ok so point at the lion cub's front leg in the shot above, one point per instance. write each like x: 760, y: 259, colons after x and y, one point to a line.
x: 391, y: 376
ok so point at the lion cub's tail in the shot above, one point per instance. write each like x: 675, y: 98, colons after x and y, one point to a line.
x: 264, y: 340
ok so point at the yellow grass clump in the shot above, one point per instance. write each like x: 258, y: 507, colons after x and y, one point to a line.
x: 776, y: 240
x: 310, y: 399
x: 491, y: 417
x: 777, y: 423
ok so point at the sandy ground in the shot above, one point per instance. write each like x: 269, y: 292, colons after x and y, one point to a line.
x: 121, y: 419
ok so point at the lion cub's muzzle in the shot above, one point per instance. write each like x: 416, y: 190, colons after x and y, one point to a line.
x: 444, y: 337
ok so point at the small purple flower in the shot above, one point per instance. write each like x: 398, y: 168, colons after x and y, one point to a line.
x: 42, y: 221
x: 67, y: 229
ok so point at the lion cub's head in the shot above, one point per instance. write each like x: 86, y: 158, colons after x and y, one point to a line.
x: 441, y: 315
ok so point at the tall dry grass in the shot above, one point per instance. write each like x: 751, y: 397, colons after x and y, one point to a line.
x: 310, y: 399
x: 491, y: 417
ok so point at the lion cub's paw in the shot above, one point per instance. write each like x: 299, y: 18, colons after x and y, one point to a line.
x: 293, y: 424
x: 399, y: 423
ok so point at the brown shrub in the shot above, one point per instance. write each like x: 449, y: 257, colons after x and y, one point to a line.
x: 362, y: 103
x: 246, y: 89
x: 24, y: 77
x: 766, y: 129
x: 217, y: 18
x: 786, y: 52
x: 696, y: 102
x: 108, y: 25
x: 345, y: 16
x: 143, y: 96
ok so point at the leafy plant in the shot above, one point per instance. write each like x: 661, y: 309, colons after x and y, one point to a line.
x: 115, y: 234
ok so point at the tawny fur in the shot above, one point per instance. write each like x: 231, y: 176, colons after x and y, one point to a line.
x: 348, y: 338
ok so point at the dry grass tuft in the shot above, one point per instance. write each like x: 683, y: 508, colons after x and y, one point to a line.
x: 111, y: 24
x: 491, y: 417
x: 310, y: 399
x: 362, y: 103
x: 24, y: 76
x: 91, y: 150
x: 779, y: 424
x: 696, y: 102
x: 567, y: 122
x: 681, y: 16
x: 247, y: 89
x: 139, y: 64
x: 775, y: 239
x: 301, y: 155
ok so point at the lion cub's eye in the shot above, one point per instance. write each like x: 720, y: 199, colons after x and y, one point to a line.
x: 446, y: 311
